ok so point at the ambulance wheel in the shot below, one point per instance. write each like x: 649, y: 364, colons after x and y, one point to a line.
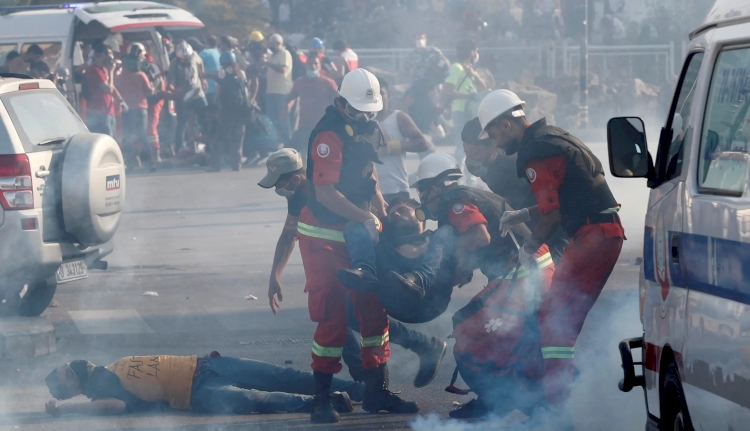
x: 674, y: 410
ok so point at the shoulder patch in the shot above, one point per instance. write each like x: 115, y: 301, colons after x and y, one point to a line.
x: 459, y: 208
x: 323, y: 150
x: 531, y: 175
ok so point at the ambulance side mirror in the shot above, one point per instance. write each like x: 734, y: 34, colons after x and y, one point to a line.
x: 628, y: 152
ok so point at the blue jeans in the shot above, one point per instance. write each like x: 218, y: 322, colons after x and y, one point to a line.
x: 101, y: 123
x: 360, y: 246
x: 276, y: 107
x: 225, y: 385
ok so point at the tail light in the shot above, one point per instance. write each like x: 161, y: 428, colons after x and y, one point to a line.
x: 15, y: 182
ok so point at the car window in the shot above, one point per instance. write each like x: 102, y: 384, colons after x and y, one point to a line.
x: 52, y: 53
x: 670, y: 162
x: 723, y: 157
x: 41, y: 115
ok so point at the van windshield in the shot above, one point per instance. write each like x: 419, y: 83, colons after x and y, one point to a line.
x: 41, y: 117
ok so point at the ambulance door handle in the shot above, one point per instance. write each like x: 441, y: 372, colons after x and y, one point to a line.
x: 676, y: 248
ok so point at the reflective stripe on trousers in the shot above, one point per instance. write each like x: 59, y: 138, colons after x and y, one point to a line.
x: 327, y: 352
x: 376, y: 341
x: 320, y: 232
x: 557, y: 352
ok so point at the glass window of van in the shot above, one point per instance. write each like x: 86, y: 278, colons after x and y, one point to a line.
x: 725, y: 140
x: 5, y: 49
x: 52, y: 53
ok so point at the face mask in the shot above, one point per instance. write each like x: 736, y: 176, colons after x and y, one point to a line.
x: 313, y: 73
x: 423, y: 213
x: 421, y: 43
x: 284, y: 193
x: 358, y: 116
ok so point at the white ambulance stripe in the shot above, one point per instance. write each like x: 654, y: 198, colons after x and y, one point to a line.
x: 100, y: 322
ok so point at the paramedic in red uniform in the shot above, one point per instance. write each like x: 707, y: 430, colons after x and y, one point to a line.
x: 568, y: 181
x: 340, y: 167
x: 503, y: 368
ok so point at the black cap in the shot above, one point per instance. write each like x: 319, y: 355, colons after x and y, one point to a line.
x: 471, y: 131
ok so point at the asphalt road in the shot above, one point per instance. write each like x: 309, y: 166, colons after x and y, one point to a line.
x: 204, y: 242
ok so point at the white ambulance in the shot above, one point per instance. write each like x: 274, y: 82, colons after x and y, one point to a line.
x: 695, y: 278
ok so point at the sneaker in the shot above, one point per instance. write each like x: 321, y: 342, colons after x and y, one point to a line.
x: 429, y: 362
x: 410, y: 284
x: 362, y: 279
x: 341, y: 402
x: 474, y: 409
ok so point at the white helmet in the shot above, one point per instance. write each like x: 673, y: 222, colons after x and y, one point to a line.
x: 183, y: 50
x: 361, y: 90
x: 437, y: 167
x: 497, y: 103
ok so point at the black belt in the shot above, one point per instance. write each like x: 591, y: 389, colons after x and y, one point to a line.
x: 603, y: 218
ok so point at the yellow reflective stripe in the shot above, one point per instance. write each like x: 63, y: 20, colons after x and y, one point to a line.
x: 614, y: 210
x: 557, y: 352
x: 327, y: 352
x: 541, y: 262
x: 320, y: 232
x: 376, y: 341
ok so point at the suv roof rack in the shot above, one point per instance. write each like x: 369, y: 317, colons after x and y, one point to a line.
x: 15, y: 75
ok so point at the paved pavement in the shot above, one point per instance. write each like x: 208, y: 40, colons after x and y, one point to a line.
x: 203, y: 242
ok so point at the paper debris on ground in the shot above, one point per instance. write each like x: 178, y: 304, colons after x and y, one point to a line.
x: 251, y: 297
x: 150, y: 293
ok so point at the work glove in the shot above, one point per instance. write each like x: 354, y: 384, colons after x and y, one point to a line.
x: 512, y: 218
x: 372, y: 228
x: 124, y: 107
x: 527, y: 259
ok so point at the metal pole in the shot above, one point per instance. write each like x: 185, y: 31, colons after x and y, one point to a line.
x: 584, y: 73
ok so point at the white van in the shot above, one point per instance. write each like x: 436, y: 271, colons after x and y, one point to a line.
x: 695, y: 277
x: 62, y: 30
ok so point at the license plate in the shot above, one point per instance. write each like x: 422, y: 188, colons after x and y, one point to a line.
x: 70, y: 271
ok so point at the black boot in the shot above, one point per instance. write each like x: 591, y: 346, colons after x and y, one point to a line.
x: 430, y: 357
x: 410, y: 284
x: 474, y: 409
x: 378, y: 397
x: 362, y: 279
x: 322, y: 405
x: 341, y: 402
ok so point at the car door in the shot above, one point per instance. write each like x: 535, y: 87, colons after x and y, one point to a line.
x: 716, y: 252
x: 665, y: 293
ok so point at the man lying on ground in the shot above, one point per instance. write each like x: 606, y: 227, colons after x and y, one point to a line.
x: 210, y: 384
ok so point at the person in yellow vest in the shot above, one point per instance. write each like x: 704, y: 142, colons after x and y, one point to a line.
x: 210, y: 384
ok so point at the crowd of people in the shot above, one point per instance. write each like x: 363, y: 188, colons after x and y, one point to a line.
x: 371, y: 266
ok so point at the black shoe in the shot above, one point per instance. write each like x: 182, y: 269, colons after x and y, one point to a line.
x: 410, y: 284
x: 429, y: 362
x: 358, y: 279
x: 341, y: 402
x: 472, y: 410
x: 322, y: 404
x: 379, y: 398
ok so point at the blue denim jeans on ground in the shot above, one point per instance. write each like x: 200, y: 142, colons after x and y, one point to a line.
x: 101, y: 123
x: 278, y: 111
x: 399, y: 334
x: 442, y: 241
x: 226, y: 385
x: 360, y: 246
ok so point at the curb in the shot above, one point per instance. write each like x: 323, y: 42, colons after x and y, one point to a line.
x: 26, y: 337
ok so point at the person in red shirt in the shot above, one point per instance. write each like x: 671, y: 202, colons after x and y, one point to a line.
x: 571, y: 191
x: 315, y: 93
x: 135, y: 87
x: 101, y: 92
x: 492, y: 365
x: 344, y: 188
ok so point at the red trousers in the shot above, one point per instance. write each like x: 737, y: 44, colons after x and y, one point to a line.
x: 326, y: 302
x: 580, y: 276
x: 154, y: 113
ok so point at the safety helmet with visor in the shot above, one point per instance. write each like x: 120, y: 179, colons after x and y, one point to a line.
x: 183, y: 50
x: 361, y: 91
x: 434, y: 169
x: 497, y: 105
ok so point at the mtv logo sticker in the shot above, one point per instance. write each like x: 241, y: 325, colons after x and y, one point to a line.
x: 113, y: 182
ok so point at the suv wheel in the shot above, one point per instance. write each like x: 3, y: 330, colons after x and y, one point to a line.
x: 36, y: 299
x: 674, y: 411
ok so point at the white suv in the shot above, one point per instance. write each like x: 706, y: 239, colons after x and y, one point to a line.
x: 62, y: 193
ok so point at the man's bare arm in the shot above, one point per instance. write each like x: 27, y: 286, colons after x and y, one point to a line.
x: 416, y: 142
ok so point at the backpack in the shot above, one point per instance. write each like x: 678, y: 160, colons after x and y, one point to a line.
x: 298, y: 66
